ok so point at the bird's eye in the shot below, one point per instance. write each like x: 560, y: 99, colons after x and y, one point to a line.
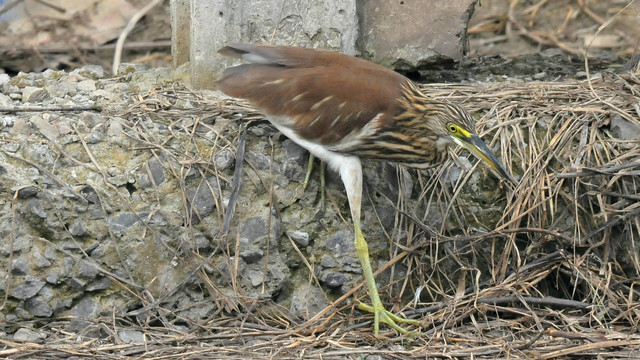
x: 453, y: 128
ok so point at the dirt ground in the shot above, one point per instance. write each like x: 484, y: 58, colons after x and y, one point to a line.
x: 511, y: 28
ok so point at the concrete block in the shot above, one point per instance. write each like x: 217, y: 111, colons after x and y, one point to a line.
x: 400, y: 34
x: 214, y: 23
x: 405, y: 34
x: 180, y: 31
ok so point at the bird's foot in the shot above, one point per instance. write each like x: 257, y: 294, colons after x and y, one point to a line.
x: 382, y: 315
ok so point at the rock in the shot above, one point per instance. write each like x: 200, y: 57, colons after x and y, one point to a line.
x: 387, y: 216
x: 53, y: 277
x: 201, y: 200
x: 144, y: 181
x: 89, y: 194
x: 333, y: 279
x: 61, y: 89
x: 128, y: 68
x: 78, y: 228
x: 223, y: 267
x: 29, y: 335
x: 256, y: 277
x: 299, y: 237
x: 78, y: 325
x: 318, y: 24
x: 115, y: 129
x: 4, y: 79
x: 39, y: 260
x: 5, y: 100
x: 86, y: 85
x: 27, y: 192
x: 157, y: 172
x: 42, y: 154
x: 295, y: 151
x: 87, y: 271
x: 374, y: 357
x: 76, y: 283
x: 36, y: 208
x: 259, y: 160
x: 307, y: 300
x: 341, y: 242
x: 43, y: 125
x: 32, y: 94
x: 38, y: 307
x: 86, y: 308
x: 252, y: 256
x: 100, y: 284
x: 19, y: 266
x: 51, y: 74
x: 126, y: 219
x: 625, y: 129
x: 20, y: 244
x: 51, y: 253
x: 328, y: 262
x: 91, y: 71
x: 224, y: 159
x: 11, y: 147
x: 253, y: 229
x: 28, y: 289
x: 131, y: 336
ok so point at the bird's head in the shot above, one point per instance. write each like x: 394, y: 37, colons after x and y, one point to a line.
x: 454, y: 124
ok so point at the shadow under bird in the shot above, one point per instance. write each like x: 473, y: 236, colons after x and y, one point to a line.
x: 341, y: 108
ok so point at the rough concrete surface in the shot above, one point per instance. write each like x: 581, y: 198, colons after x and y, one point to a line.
x: 400, y: 34
x: 124, y: 193
x: 325, y: 24
x: 409, y: 34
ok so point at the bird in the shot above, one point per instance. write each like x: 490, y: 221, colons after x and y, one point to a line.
x: 343, y: 109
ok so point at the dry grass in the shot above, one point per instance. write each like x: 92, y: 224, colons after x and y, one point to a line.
x: 555, y: 276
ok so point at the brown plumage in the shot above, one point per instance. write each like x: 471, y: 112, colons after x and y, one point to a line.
x: 330, y: 97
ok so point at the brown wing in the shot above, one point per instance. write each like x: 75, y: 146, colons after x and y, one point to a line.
x: 323, y: 96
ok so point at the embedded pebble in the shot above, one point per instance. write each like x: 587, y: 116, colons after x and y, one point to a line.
x: 29, y: 335
x: 5, y: 100
x: 252, y: 256
x: 28, y: 288
x: 256, y: 277
x: 20, y: 266
x: 299, y: 237
x: 127, y: 68
x: 78, y: 228
x: 307, y: 300
x: 91, y: 71
x: 32, y: 94
x: 224, y: 159
x: 333, y: 279
x: 341, y: 242
x: 38, y: 307
x: 131, y: 336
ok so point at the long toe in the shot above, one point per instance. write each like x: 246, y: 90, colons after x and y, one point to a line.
x: 382, y: 315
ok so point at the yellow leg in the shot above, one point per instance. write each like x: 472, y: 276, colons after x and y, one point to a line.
x: 323, y: 166
x: 380, y: 314
x: 350, y: 170
x: 309, y: 169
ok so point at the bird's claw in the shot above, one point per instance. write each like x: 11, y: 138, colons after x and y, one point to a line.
x: 382, y: 315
